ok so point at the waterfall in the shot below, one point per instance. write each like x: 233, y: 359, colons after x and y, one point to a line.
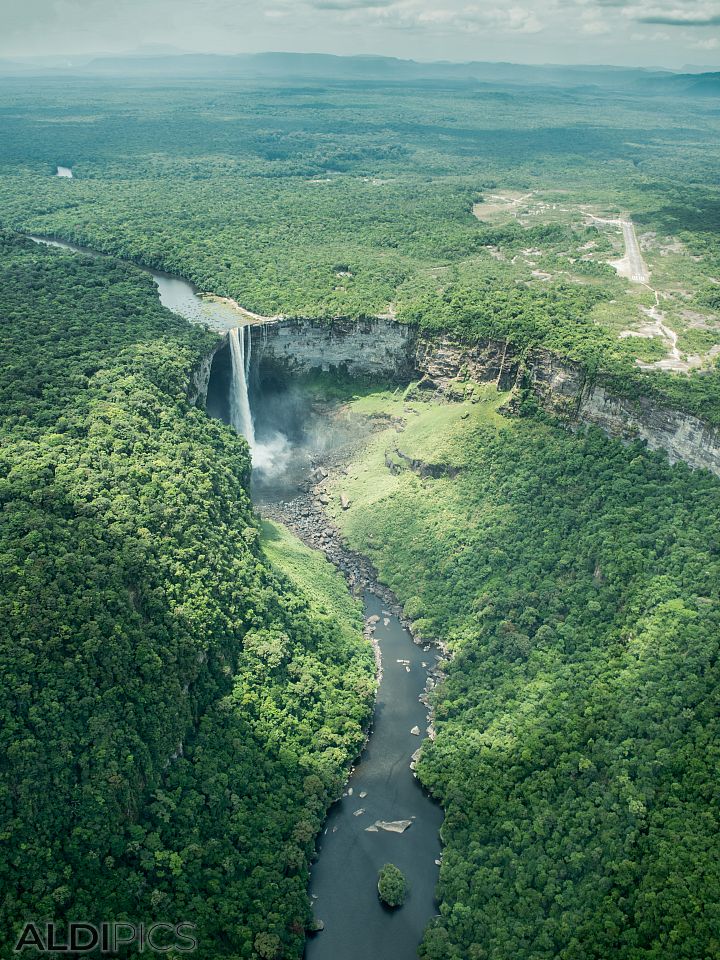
x: 240, y: 414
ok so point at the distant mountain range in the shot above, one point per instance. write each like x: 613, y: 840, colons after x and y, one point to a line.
x: 328, y: 67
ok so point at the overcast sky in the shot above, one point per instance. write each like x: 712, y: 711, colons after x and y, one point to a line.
x: 646, y: 32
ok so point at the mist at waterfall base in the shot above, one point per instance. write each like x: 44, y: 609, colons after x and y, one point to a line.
x: 288, y: 428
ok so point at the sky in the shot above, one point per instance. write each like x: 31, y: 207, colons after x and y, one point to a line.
x: 665, y: 33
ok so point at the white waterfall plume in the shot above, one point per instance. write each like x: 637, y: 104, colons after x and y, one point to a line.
x: 272, y: 455
x: 240, y: 414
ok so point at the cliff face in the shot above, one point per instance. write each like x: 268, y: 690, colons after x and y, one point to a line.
x: 391, y: 350
x: 561, y: 388
x: 683, y: 436
x: 440, y: 360
x: 200, y: 375
x: 360, y: 348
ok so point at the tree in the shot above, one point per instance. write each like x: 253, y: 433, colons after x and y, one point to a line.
x: 392, y: 885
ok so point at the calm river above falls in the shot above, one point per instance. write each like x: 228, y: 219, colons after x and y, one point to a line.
x: 343, y: 883
x: 176, y: 294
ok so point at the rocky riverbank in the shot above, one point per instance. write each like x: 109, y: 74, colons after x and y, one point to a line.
x: 306, y: 515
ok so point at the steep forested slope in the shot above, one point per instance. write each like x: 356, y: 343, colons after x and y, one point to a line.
x: 176, y: 716
x: 578, y: 754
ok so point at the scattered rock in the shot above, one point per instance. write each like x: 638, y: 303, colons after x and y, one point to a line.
x: 362, y: 794
x: 415, y: 731
x: 393, y: 826
x: 372, y: 829
x: 359, y: 812
x: 344, y: 501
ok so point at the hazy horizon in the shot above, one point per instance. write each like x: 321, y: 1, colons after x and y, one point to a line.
x: 667, y: 34
x: 74, y: 58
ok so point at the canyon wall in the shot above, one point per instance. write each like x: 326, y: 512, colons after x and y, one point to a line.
x: 200, y: 375
x: 562, y: 389
x: 385, y: 349
x: 358, y: 348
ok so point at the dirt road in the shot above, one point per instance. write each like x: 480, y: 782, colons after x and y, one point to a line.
x: 632, y: 266
x: 636, y: 266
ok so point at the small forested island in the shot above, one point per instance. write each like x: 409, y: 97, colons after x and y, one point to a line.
x: 360, y: 485
x: 392, y: 885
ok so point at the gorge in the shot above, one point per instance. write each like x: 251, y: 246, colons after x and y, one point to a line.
x: 387, y: 349
x: 390, y: 351
x: 272, y: 358
x: 363, y: 830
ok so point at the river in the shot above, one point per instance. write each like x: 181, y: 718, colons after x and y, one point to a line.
x: 344, y: 878
x: 343, y: 883
x: 176, y: 294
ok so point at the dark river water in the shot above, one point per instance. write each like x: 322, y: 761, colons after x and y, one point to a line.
x: 344, y: 878
x: 343, y: 882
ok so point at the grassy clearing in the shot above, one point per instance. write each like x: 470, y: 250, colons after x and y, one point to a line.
x: 431, y: 433
x: 312, y: 574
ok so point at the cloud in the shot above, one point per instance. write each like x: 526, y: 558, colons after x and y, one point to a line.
x: 419, y: 15
x: 349, y: 4
x: 596, y: 27
x: 535, y: 31
x: 681, y: 21
x: 481, y: 18
x: 671, y: 13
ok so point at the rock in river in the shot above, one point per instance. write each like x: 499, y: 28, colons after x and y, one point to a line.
x: 393, y: 826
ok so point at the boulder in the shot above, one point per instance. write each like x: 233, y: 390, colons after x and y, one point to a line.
x: 393, y: 826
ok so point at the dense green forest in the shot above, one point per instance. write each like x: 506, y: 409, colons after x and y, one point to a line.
x: 183, y: 688
x: 575, y: 581
x: 177, y: 714
x: 336, y: 198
